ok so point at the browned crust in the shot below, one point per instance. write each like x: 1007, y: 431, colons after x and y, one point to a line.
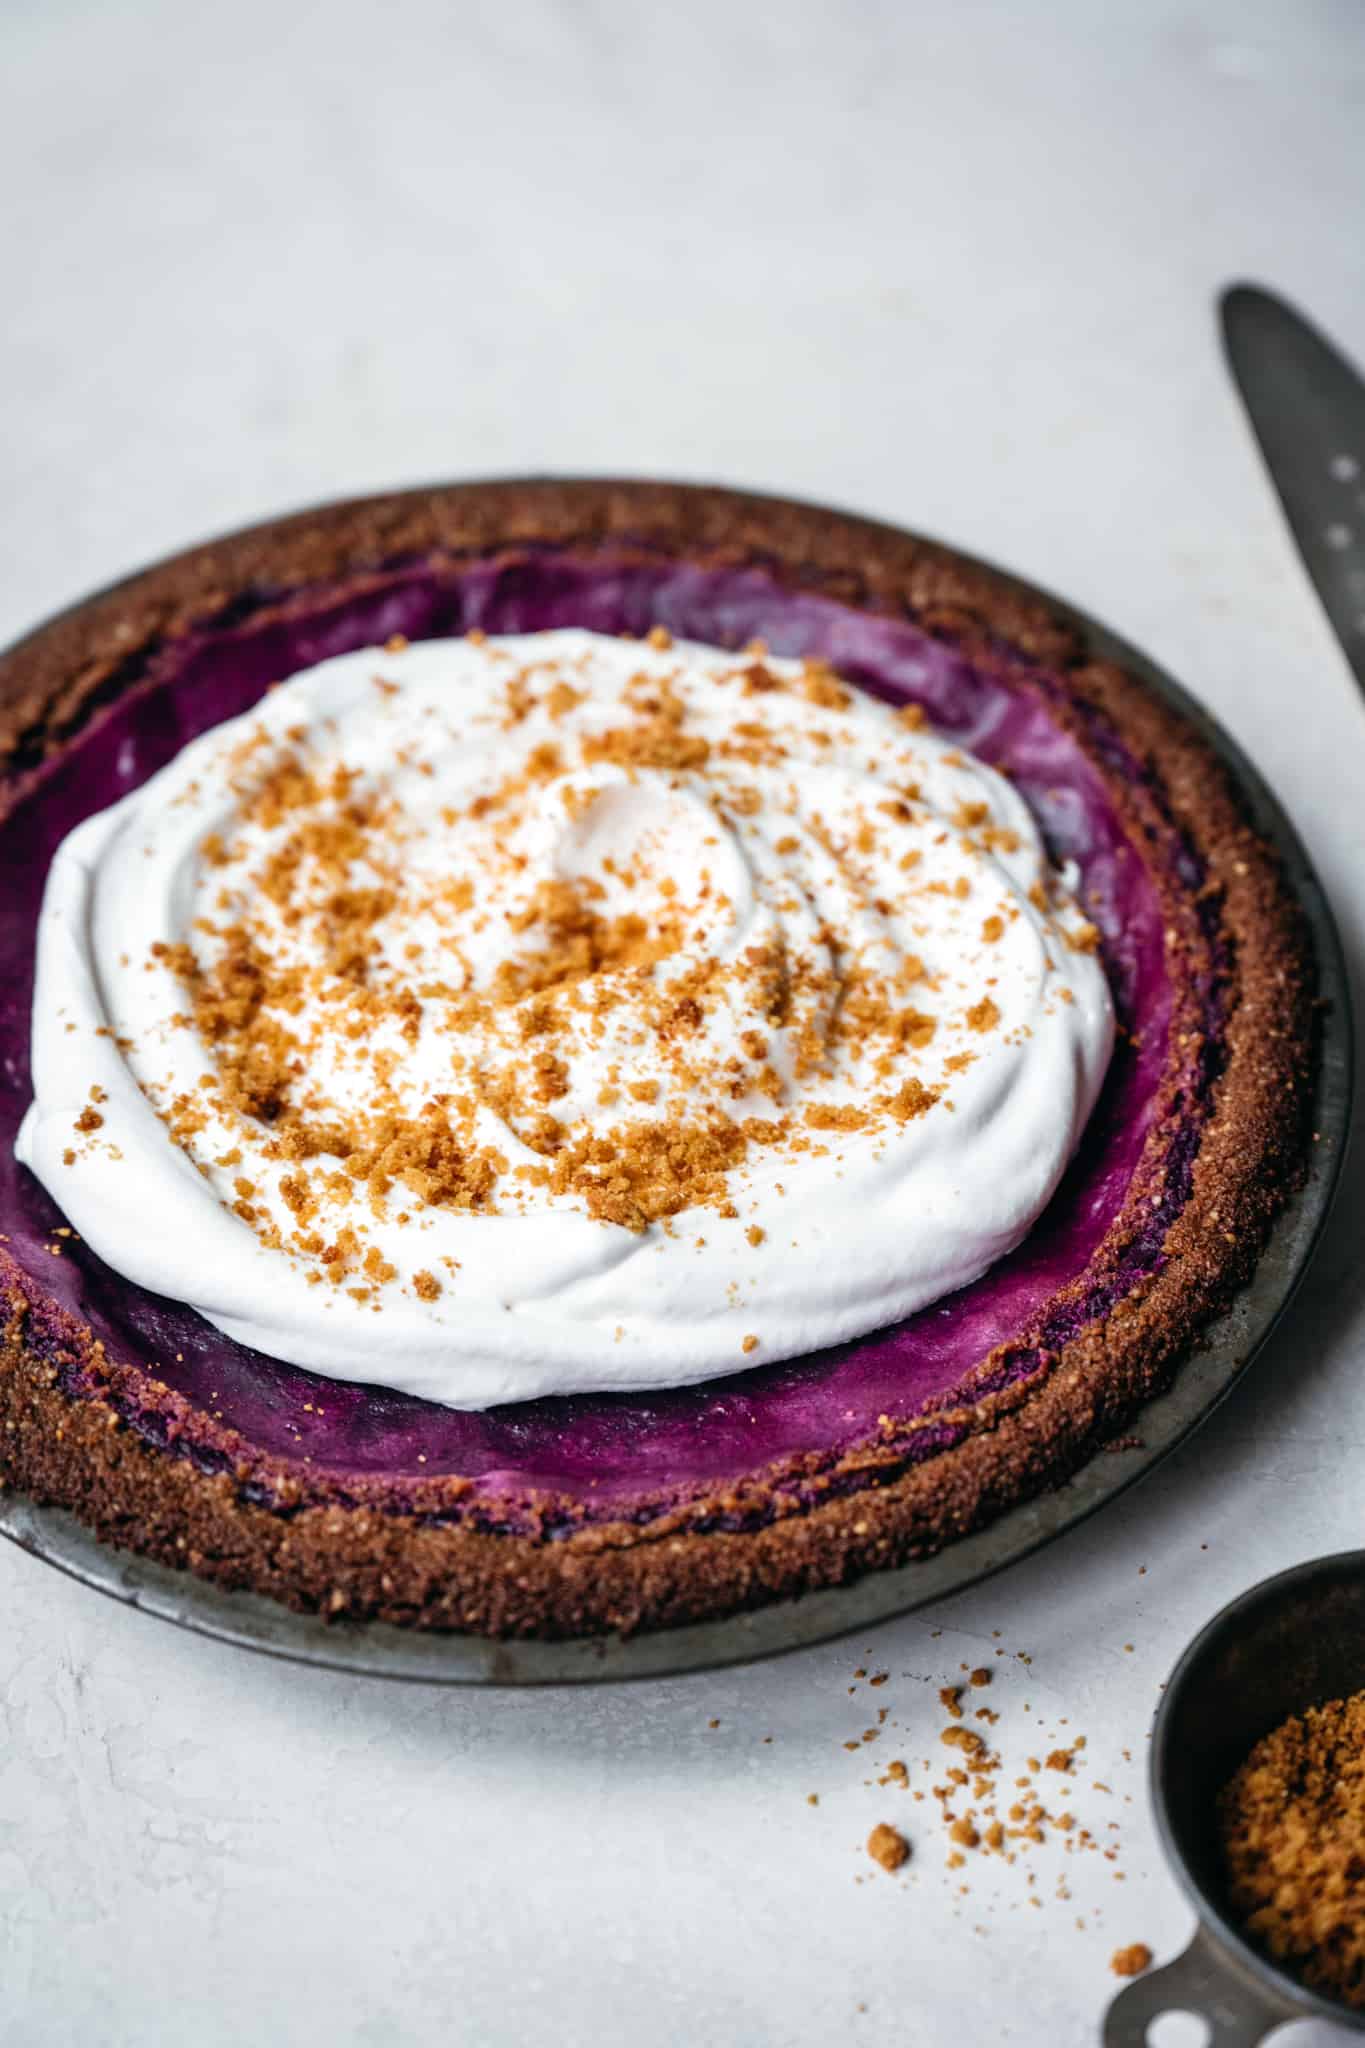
x: 366, y: 1562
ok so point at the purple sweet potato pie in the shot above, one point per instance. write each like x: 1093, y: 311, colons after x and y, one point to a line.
x: 578, y: 1512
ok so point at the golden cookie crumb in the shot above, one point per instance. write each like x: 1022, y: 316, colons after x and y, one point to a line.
x: 888, y: 1846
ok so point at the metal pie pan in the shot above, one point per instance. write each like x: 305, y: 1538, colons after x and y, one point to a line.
x: 378, y: 1650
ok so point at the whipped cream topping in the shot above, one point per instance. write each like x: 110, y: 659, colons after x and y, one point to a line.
x: 489, y: 1019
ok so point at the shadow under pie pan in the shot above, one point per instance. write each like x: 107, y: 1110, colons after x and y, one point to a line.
x: 726, y: 567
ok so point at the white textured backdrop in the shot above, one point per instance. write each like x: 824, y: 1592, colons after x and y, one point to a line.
x: 953, y: 265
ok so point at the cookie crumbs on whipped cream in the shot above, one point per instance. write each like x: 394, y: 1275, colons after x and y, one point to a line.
x: 462, y: 951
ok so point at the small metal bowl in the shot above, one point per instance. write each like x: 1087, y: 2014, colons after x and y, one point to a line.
x: 1290, y: 1643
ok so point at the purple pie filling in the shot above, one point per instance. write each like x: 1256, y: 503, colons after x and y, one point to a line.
x: 611, y: 1454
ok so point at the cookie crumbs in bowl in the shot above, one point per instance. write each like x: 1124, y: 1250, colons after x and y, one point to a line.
x: 1292, y: 1822
x: 1131, y: 1961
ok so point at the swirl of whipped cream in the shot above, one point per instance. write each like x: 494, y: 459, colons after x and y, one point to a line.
x: 497, y: 1018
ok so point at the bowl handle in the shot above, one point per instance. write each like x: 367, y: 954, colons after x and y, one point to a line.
x: 1203, y: 1981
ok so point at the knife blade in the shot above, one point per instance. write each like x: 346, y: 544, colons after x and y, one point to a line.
x: 1306, y: 404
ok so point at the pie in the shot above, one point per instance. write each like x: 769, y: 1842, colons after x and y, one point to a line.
x: 629, y: 1051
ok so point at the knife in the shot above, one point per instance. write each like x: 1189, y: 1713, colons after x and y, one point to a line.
x: 1306, y: 404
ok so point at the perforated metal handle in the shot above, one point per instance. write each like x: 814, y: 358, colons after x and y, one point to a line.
x: 1238, y: 2012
